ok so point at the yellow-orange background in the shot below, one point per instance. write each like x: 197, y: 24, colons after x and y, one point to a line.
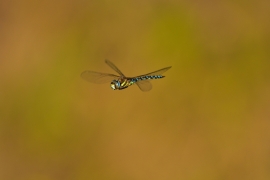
x: 208, y: 119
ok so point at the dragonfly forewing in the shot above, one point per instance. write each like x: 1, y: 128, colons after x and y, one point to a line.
x: 97, y: 77
x: 114, y: 67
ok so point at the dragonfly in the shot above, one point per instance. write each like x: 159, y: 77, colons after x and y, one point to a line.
x: 120, y: 82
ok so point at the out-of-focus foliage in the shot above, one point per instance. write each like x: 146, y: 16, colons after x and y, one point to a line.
x: 208, y: 119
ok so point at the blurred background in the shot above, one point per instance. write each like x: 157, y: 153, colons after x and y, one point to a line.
x: 208, y: 119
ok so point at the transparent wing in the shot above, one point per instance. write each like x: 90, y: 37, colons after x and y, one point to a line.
x: 97, y: 77
x: 144, y: 85
x: 158, y: 72
x: 114, y: 67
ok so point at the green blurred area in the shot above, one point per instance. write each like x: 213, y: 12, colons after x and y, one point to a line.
x: 208, y: 119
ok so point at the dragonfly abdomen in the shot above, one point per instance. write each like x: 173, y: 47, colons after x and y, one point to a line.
x: 141, y: 78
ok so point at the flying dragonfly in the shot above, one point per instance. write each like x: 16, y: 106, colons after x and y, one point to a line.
x: 122, y: 82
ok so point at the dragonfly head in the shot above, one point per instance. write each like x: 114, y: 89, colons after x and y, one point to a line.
x: 115, y: 84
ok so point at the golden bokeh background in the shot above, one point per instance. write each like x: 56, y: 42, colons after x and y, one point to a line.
x: 208, y: 119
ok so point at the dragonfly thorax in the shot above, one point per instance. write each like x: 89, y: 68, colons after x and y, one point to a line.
x: 121, y: 83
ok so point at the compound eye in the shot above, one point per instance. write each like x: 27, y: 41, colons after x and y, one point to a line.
x: 115, y: 84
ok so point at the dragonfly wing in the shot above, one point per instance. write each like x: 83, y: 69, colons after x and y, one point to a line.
x: 97, y: 77
x: 158, y: 72
x: 114, y: 67
x: 144, y: 85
